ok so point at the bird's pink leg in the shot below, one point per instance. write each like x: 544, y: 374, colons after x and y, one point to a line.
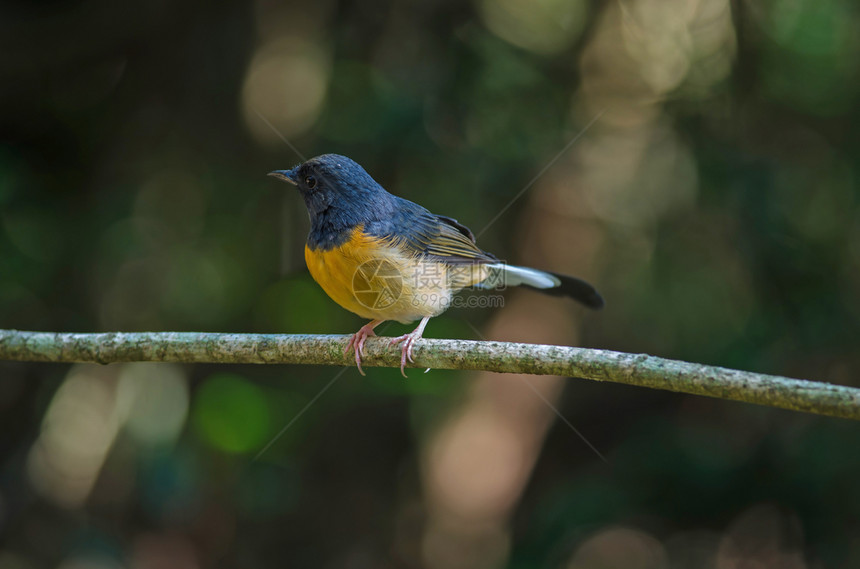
x: 356, y: 341
x: 408, y: 341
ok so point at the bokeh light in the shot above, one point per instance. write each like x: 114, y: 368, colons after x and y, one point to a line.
x: 543, y: 26
x: 619, y: 548
x: 231, y: 413
x: 285, y: 85
x: 77, y: 432
x: 152, y: 400
x: 810, y: 60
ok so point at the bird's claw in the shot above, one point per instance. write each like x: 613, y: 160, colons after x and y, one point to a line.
x: 356, y: 343
x: 408, y: 341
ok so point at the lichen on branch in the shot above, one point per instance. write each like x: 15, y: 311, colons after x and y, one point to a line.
x: 503, y: 357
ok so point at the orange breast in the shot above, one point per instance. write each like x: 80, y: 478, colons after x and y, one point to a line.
x: 377, y: 278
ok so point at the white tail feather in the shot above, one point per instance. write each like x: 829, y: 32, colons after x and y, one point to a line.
x: 515, y: 276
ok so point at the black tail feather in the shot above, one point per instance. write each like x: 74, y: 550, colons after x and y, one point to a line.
x: 574, y: 288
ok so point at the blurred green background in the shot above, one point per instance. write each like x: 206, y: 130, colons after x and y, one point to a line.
x: 717, y: 200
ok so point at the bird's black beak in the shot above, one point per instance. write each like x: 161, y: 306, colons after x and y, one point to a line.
x: 288, y: 176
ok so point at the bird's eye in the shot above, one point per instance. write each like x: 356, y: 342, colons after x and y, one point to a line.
x: 310, y: 182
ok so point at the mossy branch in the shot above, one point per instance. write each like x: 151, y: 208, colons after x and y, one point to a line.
x: 504, y: 357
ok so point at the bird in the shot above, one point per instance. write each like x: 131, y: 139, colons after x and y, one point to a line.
x: 384, y: 257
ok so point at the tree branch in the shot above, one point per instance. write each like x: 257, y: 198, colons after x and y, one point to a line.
x: 504, y: 357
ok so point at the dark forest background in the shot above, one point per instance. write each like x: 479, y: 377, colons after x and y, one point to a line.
x: 713, y: 200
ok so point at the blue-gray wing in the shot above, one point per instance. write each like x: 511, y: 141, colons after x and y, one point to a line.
x: 436, y: 236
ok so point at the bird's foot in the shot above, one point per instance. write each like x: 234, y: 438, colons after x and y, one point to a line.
x: 408, y: 341
x: 356, y: 342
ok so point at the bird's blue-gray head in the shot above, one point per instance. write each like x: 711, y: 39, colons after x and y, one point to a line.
x: 338, y: 193
x: 333, y: 181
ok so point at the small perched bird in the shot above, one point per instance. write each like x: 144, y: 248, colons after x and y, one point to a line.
x: 387, y: 258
